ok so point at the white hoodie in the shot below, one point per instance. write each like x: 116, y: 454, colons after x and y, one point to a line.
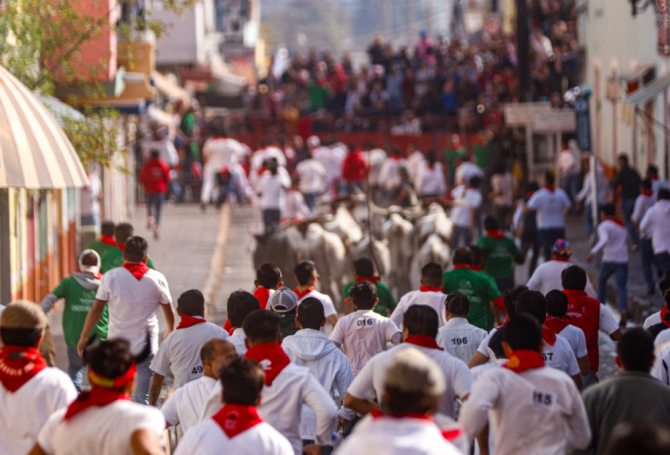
x: 657, y: 223
x: 312, y: 349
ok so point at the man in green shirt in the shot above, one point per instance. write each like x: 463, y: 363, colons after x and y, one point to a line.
x: 106, y: 241
x: 79, y: 291
x: 365, y: 271
x: 477, y: 286
x: 113, y: 258
x: 499, y: 251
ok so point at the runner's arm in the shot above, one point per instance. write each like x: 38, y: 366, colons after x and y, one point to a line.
x: 94, y: 315
x: 146, y: 442
x: 578, y: 380
x: 37, y: 450
x: 168, y: 312
x: 155, y: 388
x: 477, y: 359
x: 584, y: 366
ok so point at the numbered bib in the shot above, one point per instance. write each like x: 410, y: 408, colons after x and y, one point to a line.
x: 197, y: 370
x: 543, y: 400
x: 460, y: 342
x: 365, y: 323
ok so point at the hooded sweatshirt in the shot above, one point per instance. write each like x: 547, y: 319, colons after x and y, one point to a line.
x: 312, y: 349
x: 657, y: 223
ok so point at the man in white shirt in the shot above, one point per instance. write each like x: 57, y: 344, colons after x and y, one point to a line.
x: 466, y: 203
x: 547, y: 276
x: 30, y: 391
x: 364, y: 333
x: 133, y: 293
x: 413, y: 386
x: 178, y: 354
x: 185, y: 405
x: 307, y: 276
x: 311, y: 348
x: 237, y: 428
x: 662, y: 363
x: 312, y: 176
x: 613, y: 241
x: 217, y: 152
x: 643, y: 203
x: 658, y: 323
x: 466, y: 170
x: 550, y: 203
x: 287, y: 386
x: 656, y: 222
x: 389, y: 174
x: 533, y: 409
x: 568, y: 164
x: 657, y: 183
x: 420, y: 323
x: 603, y: 195
x: 103, y: 420
x: 239, y: 305
x: 271, y: 189
x: 557, y: 307
x: 415, y: 160
x: 429, y: 294
x: 429, y: 181
x: 268, y: 151
x: 458, y: 337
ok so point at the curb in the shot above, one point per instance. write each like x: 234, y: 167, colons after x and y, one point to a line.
x: 213, y: 279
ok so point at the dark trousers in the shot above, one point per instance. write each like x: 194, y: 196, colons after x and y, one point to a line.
x: 627, y: 207
x: 663, y: 261
x: 505, y: 284
x: 155, y: 206
x: 547, y: 239
x: 527, y: 244
x: 647, y: 252
x: 620, y: 272
x: 271, y: 217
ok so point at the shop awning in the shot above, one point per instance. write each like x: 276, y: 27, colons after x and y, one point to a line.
x: 650, y: 91
x: 34, y: 151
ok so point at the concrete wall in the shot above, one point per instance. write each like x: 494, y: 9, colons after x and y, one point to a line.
x: 183, y: 41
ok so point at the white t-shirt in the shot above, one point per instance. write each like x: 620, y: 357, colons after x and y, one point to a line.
x: 430, y: 181
x: 652, y: 320
x: 24, y: 412
x: 464, y: 201
x: 435, y: 300
x: 466, y: 171
x: 272, y: 190
x: 100, y: 430
x: 547, y: 277
x: 613, y: 239
x: 369, y: 384
x: 549, y: 207
x: 460, y: 338
x: 363, y: 334
x: 656, y: 224
x: 662, y: 338
x: 265, y: 154
x: 389, y: 174
x: 208, y: 438
x: 220, y: 152
x: 185, y: 405
x: 327, y: 302
x: 576, y: 339
x: 238, y: 339
x: 180, y: 352
x: 642, y: 204
x: 312, y: 176
x: 133, y: 305
x: 662, y: 363
x: 415, y: 162
x: 295, y: 206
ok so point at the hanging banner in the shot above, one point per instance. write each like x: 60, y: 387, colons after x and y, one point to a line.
x: 663, y: 27
x: 583, y: 123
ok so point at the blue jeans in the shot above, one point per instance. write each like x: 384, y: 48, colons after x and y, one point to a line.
x: 155, y: 205
x: 75, y: 367
x: 143, y: 381
x: 348, y: 187
x: 570, y: 184
x: 627, y: 207
x: 310, y: 200
x: 505, y: 283
x: 663, y: 261
x: 459, y: 232
x: 620, y: 272
x: 647, y: 252
x: 225, y: 189
x: 547, y: 239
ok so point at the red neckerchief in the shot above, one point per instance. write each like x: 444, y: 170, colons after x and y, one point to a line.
x: 529, y: 194
x: 551, y: 189
x: 524, y: 359
x: 496, y: 234
x: 18, y: 365
x: 138, y: 269
x: 371, y: 279
x: 237, y: 418
x: 648, y: 192
x: 614, y: 220
x: 302, y: 294
x: 97, y: 396
x: 664, y: 312
x: 469, y: 188
x: 263, y: 296
x: 557, y: 324
x: 548, y: 335
x: 231, y: 330
x: 189, y: 321
x: 475, y: 268
x: 462, y: 266
x: 107, y: 240
x: 220, y: 137
x: 559, y: 259
x: 429, y: 289
x: 271, y: 357
x: 424, y: 341
x: 122, y: 246
x: 396, y: 157
x: 653, y: 179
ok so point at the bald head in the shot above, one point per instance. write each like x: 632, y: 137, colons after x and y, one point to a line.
x: 216, y: 354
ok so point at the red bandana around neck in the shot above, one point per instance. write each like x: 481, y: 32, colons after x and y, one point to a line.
x: 372, y: 279
x: 302, y: 294
x: 122, y: 246
x: 462, y: 266
x: 557, y: 324
x: 551, y: 189
x: 189, y: 321
x: 424, y: 341
x: 614, y: 220
x: 429, y: 289
x: 271, y: 357
x: 138, y: 269
x: 524, y: 359
x: 653, y: 178
x: 496, y: 234
x: 237, y: 418
x: 664, y: 313
x: 263, y: 295
x: 97, y: 396
x: 476, y: 269
x: 559, y: 259
x: 107, y: 240
x: 648, y: 192
x: 18, y: 365
x: 548, y: 335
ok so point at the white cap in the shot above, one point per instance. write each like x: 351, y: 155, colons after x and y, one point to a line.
x: 313, y: 142
x: 89, y: 268
x: 411, y: 371
x: 283, y: 300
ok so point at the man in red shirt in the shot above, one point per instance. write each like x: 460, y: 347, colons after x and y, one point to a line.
x: 155, y: 177
x: 354, y: 170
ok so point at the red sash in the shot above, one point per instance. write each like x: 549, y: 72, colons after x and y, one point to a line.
x: 614, y: 220
x: 496, y: 234
x: 548, y: 335
x: 107, y: 240
x: 237, y: 418
x: 138, y: 269
x: 97, y: 396
x: 664, y: 313
x: 372, y: 279
x: 557, y: 324
x: 424, y: 341
x: 263, y: 296
x: 18, y: 365
x: 271, y: 357
x: 189, y: 321
x: 524, y: 359
x: 302, y: 294
x: 429, y: 289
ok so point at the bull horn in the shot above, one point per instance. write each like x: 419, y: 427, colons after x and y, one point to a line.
x: 378, y: 210
x: 411, y: 211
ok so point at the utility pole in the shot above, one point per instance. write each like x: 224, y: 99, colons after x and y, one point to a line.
x: 523, y: 49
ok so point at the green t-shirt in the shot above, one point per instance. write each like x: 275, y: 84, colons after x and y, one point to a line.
x: 78, y: 302
x: 100, y: 247
x: 318, y: 95
x: 386, y: 303
x: 498, y: 256
x: 113, y: 258
x: 480, y: 289
x: 449, y: 156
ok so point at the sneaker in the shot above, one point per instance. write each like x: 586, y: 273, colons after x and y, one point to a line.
x: 156, y: 229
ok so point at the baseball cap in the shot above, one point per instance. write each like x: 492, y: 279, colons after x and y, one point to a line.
x: 89, y: 266
x: 562, y: 248
x: 412, y: 371
x: 23, y: 314
x: 283, y: 300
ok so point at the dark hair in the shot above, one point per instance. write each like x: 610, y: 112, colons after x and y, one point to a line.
x: 646, y: 184
x: 268, y: 276
x: 491, y: 223
x: 364, y: 268
x: 136, y: 249
x: 609, y: 209
x: 652, y: 170
x: 574, y: 278
x: 663, y: 194
x: 20, y: 337
x: 267, y: 141
x: 636, y: 350
x: 110, y: 358
x: 155, y: 154
x: 242, y: 382
x: 623, y: 157
x: 523, y: 332
x: 475, y: 181
x: 462, y: 256
x: 240, y: 304
x: 510, y: 297
x: 432, y: 274
x: 191, y: 303
x: 364, y: 295
x: 495, y: 343
x: 549, y: 178
x: 122, y: 232
x: 107, y: 228
x: 532, y: 187
x: 304, y: 272
x: 641, y: 438
x: 476, y: 255
x: 262, y: 326
x: 431, y: 157
x: 311, y: 313
x: 91, y: 259
x: 557, y: 303
x: 458, y: 304
x: 421, y: 320
x: 208, y: 349
x: 399, y: 402
x: 533, y: 303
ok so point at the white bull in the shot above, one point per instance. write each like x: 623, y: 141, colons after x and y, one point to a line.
x: 328, y: 253
x: 398, y: 232
x: 434, y: 249
x: 436, y: 222
x: 344, y: 225
x: 382, y: 256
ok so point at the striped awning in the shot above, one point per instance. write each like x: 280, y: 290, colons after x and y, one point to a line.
x: 34, y: 151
